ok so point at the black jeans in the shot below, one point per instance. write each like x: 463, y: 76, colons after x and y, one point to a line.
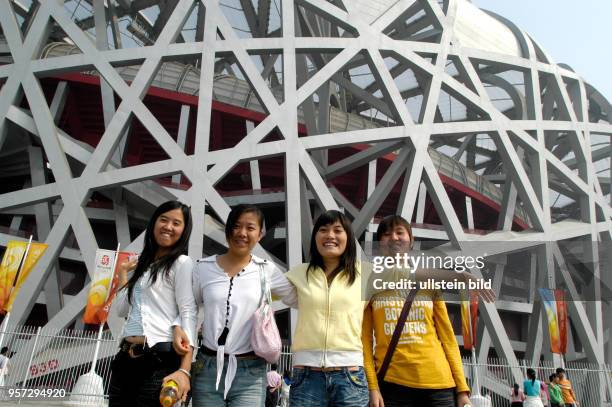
x: 137, y: 382
x: 395, y: 395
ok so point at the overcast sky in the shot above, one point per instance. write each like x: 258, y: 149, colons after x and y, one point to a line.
x: 575, y: 32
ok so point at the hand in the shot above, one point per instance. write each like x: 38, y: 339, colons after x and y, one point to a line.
x: 180, y: 341
x: 376, y: 399
x: 486, y: 294
x: 463, y: 399
x: 124, y: 268
x: 183, y: 383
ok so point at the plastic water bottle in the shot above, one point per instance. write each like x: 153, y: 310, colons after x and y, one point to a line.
x: 169, y: 394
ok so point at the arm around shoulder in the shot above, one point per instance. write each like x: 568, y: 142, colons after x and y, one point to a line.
x: 281, y: 286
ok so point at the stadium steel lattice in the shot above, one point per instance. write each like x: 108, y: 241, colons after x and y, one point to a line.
x: 403, y: 102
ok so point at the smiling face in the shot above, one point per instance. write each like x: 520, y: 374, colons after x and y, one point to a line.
x: 168, y: 229
x: 396, y: 239
x: 245, y: 234
x: 331, y: 241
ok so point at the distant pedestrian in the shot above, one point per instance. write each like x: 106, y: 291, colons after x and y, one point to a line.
x: 4, y: 364
x: 554, y: 391
x: 544, y: 393
x: 274, y: 386
x: 517, y: 396
x: 569, y: 397
x: 285, y: 389
x: 532, y: 388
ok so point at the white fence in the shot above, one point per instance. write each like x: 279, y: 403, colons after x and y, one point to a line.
x: 591, y: 383
x: 55, y: 360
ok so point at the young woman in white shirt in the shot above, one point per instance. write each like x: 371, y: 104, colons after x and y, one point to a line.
x: 228, y: 287
x: 157, y: 293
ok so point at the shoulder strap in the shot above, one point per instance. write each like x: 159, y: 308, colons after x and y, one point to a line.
x: 266, y: 295
x: 401, y: 321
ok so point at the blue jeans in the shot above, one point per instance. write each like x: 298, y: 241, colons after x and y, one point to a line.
x: 341, y: 388
x: 248, y: 388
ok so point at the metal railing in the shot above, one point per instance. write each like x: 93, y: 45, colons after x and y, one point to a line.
x: 591, y: 383
x: 40, y: 359
x: 55, y: 360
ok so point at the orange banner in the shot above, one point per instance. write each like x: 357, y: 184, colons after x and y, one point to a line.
x: 469, y: 309
x: 9, y: 267
x: 100, y: 285
x: 104, y: 285
x: 35, y: 252
x: 562, y: 320
x: 102, y: 313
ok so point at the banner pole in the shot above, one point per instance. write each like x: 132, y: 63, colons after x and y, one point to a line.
x: 101, y: 329
x: 23, y: 260
x: 98, y: 340
x: 474, y: 359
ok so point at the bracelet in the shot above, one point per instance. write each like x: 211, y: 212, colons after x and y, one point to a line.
x: 185, y: 371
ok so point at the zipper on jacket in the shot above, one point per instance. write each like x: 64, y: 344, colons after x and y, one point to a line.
x: 328, y: 286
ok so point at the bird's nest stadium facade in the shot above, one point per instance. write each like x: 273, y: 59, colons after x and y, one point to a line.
x: 449, y: 115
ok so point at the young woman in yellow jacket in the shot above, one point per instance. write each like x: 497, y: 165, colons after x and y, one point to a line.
x: 425, y: 368
x: 328, y: 354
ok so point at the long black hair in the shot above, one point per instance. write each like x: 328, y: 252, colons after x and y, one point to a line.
x: 147, y: 257
x: 531, y: 374
x: 348, y: 258
x: 516, y: 389
x: 235, y: 214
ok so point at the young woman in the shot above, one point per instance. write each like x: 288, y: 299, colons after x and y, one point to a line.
x: 556, y: 398
x: 328, y: 355
x: 569, y: 397
x: 532, y: 388
x: 425, y: 368
x: 228, y: 287
x: 157, y: 293
x: 517, y: 397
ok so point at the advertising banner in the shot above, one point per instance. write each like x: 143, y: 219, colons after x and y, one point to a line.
x: 105, y: 285
x: 9, y: 267
x: 35, y: 252
x: 469, y: 318
x: 562, y: 319
x: 550, y: 308
x: 100, y: 285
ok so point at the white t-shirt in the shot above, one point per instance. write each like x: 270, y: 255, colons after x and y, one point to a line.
x: 211, y: 289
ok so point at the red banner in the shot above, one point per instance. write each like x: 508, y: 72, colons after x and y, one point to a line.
x: 562, y: 320
x: 469, y: 318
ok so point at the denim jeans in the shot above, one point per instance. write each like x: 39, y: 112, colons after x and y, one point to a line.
x: 137, y: 382
x: 248, y: 388
x: 395, y: 395
x: 341, y: 388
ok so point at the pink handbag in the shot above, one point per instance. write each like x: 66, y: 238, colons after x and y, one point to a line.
x: 265, y: 338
